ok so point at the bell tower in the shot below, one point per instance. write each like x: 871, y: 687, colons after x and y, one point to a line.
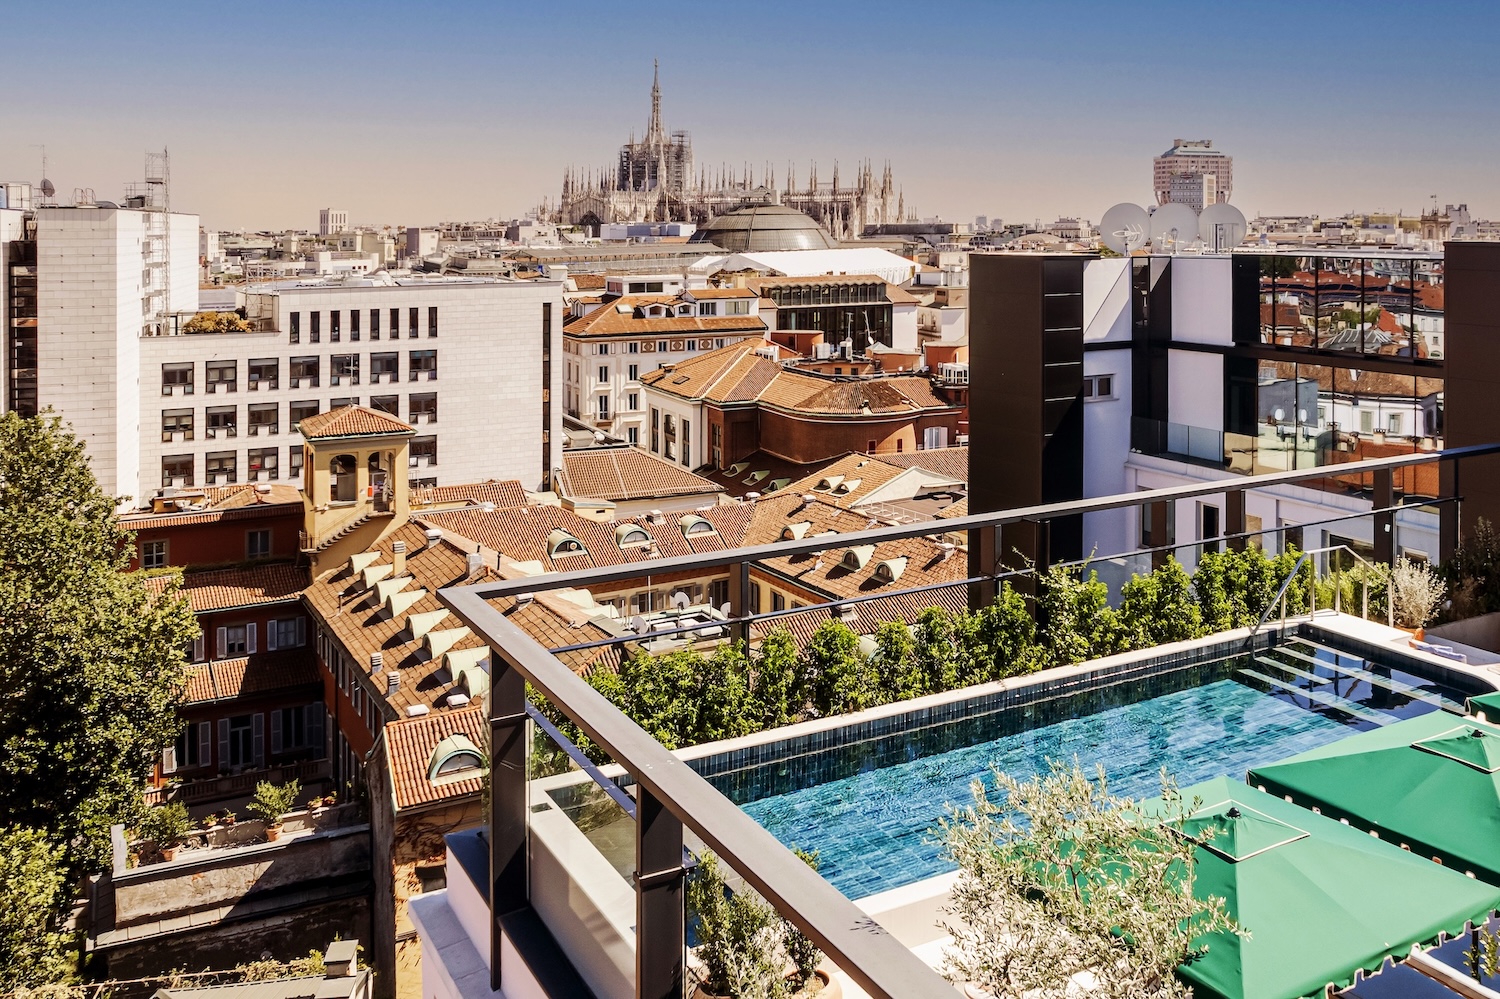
x: 355, y: 489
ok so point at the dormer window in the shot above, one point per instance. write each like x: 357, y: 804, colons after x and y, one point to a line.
x: 857, y: 557
x: 796, y: 532
x: 695, y: 525
x: 827, y: 483
x: 890, y: 570
x: 685, y: 310
x: 455, y: 757
x: 846, y: 487
x: 631, y: 536
x: 560, y: 543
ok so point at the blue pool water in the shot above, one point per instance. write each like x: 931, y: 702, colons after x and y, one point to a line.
x: 869, y: 809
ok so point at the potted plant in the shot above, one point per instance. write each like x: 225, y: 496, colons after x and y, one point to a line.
x: 208, y: 821
x: 738, y: 938
x: 166, y: 826
x: 806, y: 978
x: 1416, y: 591
x: 227, y: 817
x: 271, y: 803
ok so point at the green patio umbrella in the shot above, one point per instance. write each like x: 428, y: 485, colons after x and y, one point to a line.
x: 1430, y: 783
x: 1319, y: 898
x: 1489, y: 704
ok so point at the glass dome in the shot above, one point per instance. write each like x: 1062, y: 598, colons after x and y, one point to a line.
x: 762, y: 228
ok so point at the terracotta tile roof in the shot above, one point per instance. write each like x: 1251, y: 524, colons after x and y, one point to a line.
x: 734, y: 372
x: 848, y: 480
x: 869, y: 615
x: 623, y: 316
x: 587, y: 282
x: 704, y: 294
x: 264, y: 672
x: 803, y: 393
x: 958, y: 509
x: 506, y: 492
x: 952, y: 462
x: 251, y: 586
x: 351, y: 421
x: 153, y: 521
x: 409, y: 748
x: 218, y: 503
x: 626, y: 473
x: 759, y: 472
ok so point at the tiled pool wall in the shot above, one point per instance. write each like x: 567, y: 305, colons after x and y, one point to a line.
x: 1390, y: 655
x: 1162, y: 669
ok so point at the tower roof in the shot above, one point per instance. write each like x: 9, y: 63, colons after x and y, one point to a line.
x: 352, y: 421
x: 763, y: 228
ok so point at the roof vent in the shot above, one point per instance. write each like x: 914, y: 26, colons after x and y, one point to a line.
x: 377, y: 660
x: 475, y: 562
x: 657, y: 517
x: 457, y: 700
x: 392, y: 682
x: 752, y: 497
x: 433, y: 536
x: 487, y: 507
x: 398, y: 558
x: 416, y: 710
x: 522, y: 599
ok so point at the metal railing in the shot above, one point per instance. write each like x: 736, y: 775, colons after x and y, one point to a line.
x: 671, y: 796
x: 1312, y: 596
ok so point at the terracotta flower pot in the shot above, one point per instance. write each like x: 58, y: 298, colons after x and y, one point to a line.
x: 169, y: 853
x: 273, y: 833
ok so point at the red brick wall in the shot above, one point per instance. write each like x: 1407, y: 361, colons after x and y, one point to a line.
x: 223, y: 542
x: 804, y: 440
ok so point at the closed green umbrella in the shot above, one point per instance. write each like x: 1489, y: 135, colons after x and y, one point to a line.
x: 1320, y: 899
x: 1430, y: 783
x: 1489, y: 704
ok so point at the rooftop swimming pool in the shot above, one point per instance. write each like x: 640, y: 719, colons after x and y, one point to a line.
x: 870, y: 808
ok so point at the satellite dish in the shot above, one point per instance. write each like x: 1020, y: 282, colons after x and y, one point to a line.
x: 638, y: 625
x: 726, y: 608
x: 1221, y: 226
x: 1173, y: 226
x: 1125, y: 228
x: 48, y: 190
x: 680, y: 600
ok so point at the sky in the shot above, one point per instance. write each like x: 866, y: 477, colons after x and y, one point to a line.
x: 415, y: 113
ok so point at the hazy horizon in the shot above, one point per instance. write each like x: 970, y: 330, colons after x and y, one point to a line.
x: 414, y: 116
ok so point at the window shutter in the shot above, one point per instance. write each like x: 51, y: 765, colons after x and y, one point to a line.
x: 313, y: 725
x: 198, y: 649
x: 249, y: 639
x: 271, y: 638
x: 258, y: 738
x: 223, y: 739
x: 205, y: 744
x: 276, y: 732
x: 169, y: 759
x: 221, y: 642
x: 301, y: 632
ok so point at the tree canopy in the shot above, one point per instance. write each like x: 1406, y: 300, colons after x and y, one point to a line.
x: 216, y: 322
x: 91, y: 659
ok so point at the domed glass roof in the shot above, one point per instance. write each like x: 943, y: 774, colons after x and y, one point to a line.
x: 760, y: 228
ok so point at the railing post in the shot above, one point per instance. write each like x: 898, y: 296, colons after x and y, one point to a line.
x: 1448, y: 512
x: 1385, y: 523
x: 739, y: 601
x: 509, y: 884
x: 983, y: 559
x: 660, y: 943
x: 1234, y: 519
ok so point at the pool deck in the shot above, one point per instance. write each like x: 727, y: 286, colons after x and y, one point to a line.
x: 1482, y: 664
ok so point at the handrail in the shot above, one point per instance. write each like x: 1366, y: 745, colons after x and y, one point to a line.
x: 1287, y: 582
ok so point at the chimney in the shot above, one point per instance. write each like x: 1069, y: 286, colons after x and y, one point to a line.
x: 476, y: 562
x: 392, y: 682
x: 433, y: 536
x: 398, y: 559
x: 341, y: 959
x: 377, y: 659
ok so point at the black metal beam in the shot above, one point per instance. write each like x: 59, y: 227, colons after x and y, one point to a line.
x: 509, y: 884
x: 660, y: 946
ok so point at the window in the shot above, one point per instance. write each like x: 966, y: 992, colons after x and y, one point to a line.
x: 602, y: 406
x: 153, y: 554
x: 1158, y: 524
x: 304, y: 372
x: 374, y: 324
x: 423, y: 451
x: 221, y: 375
x: 422, y: 363
x: 298, y: 411
x: 411, y: 322
x: 294, y: 457
x: 687, y: 444
x: 176, y: 421
x: 1393, y: 423
x: 264, y: 463
x: 708, y: 308
x: 692, y: 345
x: 633, y: 434
x: 177, y: 376
x: 387, y: 366
x: 221, y: 421
x: 264, y: 418
x: 353, y: 325
x: 221, y: 468
x: 778, y: 602
x: 423, y: 407
x: 334, y: 326
x: 737, y: 308
x: 661, y: 345
x: 235, y: 640
x: 177, y: 470
x: 432, y: 320
x: 395, y: 330
x: 258, y: 543
x: 238, y: 740
x: 296, y: 327
x: 348, y: 400
x: 1099, y: 387
x: 633, y: 402
x: 655, y: 430
x: 387, y: 404
x: 286, y: 633
x: 288, y: 729
x: 1208, y: 526
x: 718, y: 342
x: 343, y: 369
x: 1366, y: 421
x: 315, y: 329
x: 193, y: 748
x: 633, y: 347
x: 635, y: 372
x: 264, y: 373
x: 601, y: 349
x: 604, y: 374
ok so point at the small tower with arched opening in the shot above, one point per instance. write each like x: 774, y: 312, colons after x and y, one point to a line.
x: 354, y: 479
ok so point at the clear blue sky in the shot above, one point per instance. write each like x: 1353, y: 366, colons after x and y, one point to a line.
x: 413, y: 113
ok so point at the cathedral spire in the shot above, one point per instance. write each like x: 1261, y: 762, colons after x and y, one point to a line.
x: 654, y: 131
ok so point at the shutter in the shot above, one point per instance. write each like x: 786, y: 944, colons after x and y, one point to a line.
x: 223, y: 740
x: 301, y: 632
x: 258, y: 738
x: 271, y: 636
x: 169, y: 759
x: 198, y: 649
x: 221, y: 642
x: 276, y: 743
x: 249, y: 639
x: 205, y: 744
x: 313, y: 725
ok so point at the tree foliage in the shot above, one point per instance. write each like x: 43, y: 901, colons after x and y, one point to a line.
x: 91, y: 660
x: 1473, y: 573
x: 33, y: 897
x: 1059, y: 879
x: 216, y: 322
x: 1416, y: 592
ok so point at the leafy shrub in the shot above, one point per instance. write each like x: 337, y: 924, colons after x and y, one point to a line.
x: 272, y: 802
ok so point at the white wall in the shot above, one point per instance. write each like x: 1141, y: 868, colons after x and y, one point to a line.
x: 1195, y: 389
x: 1106, y: 300
x: 1106, y: 435
x: 1201, y: 300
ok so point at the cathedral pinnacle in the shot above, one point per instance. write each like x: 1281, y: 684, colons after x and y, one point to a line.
x: 654, y: 131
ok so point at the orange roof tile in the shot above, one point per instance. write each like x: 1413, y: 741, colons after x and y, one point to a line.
x: 506, y: 492
x: 223, y: 589
x: 626, y: 473
x: 352, y: 421
x: 264, y: 672
x: 409, y: 748
x: 623, y: 316
x: 952, y: 462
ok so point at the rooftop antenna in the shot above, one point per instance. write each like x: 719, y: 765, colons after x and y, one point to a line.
x: 46, y: 186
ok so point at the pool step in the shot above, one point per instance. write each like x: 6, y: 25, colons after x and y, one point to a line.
x: 1294, y: 671
x: 1345, y: 705
x: 1375, y: 679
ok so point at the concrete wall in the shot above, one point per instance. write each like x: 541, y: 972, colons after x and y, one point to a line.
x: 1482, y: 632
